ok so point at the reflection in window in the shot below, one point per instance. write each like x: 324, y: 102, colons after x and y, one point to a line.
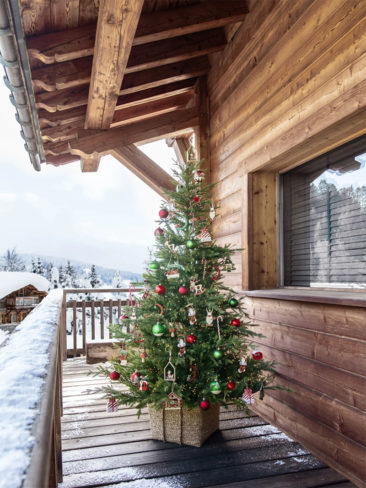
x: 324, y: 219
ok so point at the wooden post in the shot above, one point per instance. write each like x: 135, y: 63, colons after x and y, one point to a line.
x: 119, y: 308
x: 74, y: 329
x: 203, y: 129
x: 101, y: 318
x: 84, y: 327
x: 63, y: 327
x: 110, y: 316
x: 92, y: 319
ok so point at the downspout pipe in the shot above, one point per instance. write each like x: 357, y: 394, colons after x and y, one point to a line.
x: 11, y: 47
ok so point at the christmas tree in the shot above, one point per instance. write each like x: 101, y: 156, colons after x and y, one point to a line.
x: 188, y: 334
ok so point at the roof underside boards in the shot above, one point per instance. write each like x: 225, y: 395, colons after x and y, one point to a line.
x: 11, y: 281
x: 119, y: 64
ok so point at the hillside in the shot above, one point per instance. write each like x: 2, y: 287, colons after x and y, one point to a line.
x: 106, y: 274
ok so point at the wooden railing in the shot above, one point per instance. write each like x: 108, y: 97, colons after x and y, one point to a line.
x: 93, y: 316
x: 38, y: 336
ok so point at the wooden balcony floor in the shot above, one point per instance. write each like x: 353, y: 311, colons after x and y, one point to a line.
x: 116, y: 449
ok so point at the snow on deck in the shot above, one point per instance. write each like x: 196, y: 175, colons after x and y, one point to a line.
x: 15, y: 280
x: 24, y: 360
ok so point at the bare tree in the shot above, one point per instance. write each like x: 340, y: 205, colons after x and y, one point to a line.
x: 11, y: 261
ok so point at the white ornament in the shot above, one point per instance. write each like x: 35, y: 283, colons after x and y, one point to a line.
x: 212, y: 212
x: 192, y: 315
x: 209, y: 318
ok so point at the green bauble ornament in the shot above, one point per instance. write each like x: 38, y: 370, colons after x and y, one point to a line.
x: 215, y: 387
x: 233, y: 302
x: 190, y: 244
x: 217, y: 354
x: 158, y: 329
x: 154, y: 265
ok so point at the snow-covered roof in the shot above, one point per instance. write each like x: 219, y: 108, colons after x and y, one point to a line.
x: 15, y: 280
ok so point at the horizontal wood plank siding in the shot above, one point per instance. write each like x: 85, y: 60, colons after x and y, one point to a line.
x: 322, y: 361
x: 288, y: 87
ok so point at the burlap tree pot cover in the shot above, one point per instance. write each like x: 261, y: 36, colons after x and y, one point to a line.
x: 183, y: 426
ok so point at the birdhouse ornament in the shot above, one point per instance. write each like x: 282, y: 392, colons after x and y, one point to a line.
x: 204, y: 236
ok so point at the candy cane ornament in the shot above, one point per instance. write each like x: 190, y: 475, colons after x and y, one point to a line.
x: 161, y: 308
x: 218, y: 325
x: 217, y: 276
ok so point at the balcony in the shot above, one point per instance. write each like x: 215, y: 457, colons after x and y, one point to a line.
x: 79, y: 444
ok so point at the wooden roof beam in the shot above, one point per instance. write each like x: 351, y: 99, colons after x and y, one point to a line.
x: 116, y: 27
x: 67, y: 45
x: 132, y: 83
x: 76, y: 73
x: 144, y: 168
x: 54, y: 119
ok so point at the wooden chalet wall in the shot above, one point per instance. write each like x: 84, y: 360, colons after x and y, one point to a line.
x: 288, y: 87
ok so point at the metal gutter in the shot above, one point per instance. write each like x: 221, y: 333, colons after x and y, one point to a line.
x: 14, y: 58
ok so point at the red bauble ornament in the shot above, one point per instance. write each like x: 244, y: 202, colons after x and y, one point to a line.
x: 191, y: 339
x: 114, y: 375
x: 204, y: 404
x: 124, y: 317
x: 257, y: 355
x: 235, y: 322
x: 230, y: 385
x: 163, y: 213
x: 196, y: 199
x: 143, y: 385
x: 183, y: 290
x: 160, y: 290
x: 158, y: 232
x: 135, y: 377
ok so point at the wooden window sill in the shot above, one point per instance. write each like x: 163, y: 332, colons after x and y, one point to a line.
x: 354, y: 298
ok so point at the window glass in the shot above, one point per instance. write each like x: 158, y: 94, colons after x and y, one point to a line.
x: 324, y: 220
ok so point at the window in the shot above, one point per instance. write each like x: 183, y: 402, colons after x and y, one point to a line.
x: 324, y: 220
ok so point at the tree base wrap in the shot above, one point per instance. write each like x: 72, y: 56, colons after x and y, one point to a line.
x: 184, y: 426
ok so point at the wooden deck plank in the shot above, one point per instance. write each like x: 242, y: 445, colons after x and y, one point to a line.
x: 116, y: 449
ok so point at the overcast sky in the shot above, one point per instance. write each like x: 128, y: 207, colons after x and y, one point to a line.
x: 106, y: 218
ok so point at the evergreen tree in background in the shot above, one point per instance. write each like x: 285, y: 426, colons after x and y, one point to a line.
x: 40, y: 268
x: 69, y: 276
x: 94, y: 278
x: 33, y: 267
x: 61, y: 277
x: 189, y: 333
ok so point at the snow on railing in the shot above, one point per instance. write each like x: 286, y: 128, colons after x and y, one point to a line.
x: 29, y: 399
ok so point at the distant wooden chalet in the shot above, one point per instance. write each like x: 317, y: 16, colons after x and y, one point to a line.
x: 275, y: 91
x: 20, y: 292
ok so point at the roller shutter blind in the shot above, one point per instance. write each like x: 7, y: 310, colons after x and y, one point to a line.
x: 324, y: 219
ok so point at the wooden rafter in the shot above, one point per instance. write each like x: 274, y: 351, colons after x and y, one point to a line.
x: 92, y: 141
x: 122, y: 117
x: 63, y: 46
x: 144, y: 168
x: 116, y: 27
x: 54, y: 119
x: 76, y: 73
x: 132, y: 83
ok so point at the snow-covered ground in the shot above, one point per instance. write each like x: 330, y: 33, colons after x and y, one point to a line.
x: 24, y: 360
x: 3, y: 337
